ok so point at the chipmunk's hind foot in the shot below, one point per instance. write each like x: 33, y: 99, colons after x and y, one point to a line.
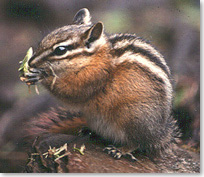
x: 117, y: 153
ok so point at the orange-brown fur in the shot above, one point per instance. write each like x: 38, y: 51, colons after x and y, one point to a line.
x: 82, y: 83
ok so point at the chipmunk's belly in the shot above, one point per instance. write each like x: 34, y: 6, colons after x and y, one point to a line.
x: 108, y: 130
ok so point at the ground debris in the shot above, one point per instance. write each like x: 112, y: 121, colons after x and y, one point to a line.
x: 70, y: 157
x: 52, y: 161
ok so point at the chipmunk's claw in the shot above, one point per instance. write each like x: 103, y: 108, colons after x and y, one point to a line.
x: 132, y: 157
x: 113, y: 151
x: 117, y: 154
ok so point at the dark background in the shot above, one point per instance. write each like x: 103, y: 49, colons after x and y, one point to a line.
x: 173, y: 26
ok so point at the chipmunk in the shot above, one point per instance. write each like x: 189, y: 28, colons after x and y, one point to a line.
x: 119, y: 83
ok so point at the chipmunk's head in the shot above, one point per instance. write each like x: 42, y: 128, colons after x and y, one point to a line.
x: 67, y: 51
x: 80, y: 39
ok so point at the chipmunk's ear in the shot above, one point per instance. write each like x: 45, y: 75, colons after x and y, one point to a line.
x: 82, y: 17
x: 94, y: 33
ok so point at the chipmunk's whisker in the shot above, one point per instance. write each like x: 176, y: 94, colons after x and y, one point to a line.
x: 54, y: 74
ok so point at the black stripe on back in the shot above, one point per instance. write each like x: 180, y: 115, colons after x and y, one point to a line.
x: 121, y: 37
x: 148, y: 54
x: 160, y: 82
x: 146, y: 70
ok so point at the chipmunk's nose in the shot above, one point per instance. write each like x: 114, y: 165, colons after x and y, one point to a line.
x: 38, y: 58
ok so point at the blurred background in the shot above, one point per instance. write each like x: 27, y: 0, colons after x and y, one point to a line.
x: 173, y: 26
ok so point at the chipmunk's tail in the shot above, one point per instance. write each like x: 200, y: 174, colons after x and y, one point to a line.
x: 55, y: 121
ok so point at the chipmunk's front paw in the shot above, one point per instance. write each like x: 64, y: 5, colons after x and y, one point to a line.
x: 117, y: 153
x: 31, y: 77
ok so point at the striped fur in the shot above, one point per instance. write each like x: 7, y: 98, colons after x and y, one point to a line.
x: 123, y: 43
x: 133, y: 49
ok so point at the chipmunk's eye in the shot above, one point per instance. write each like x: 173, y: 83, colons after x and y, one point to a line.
x: 61, y: 50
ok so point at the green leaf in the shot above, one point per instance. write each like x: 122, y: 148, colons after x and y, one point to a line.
x: 24, y: 63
